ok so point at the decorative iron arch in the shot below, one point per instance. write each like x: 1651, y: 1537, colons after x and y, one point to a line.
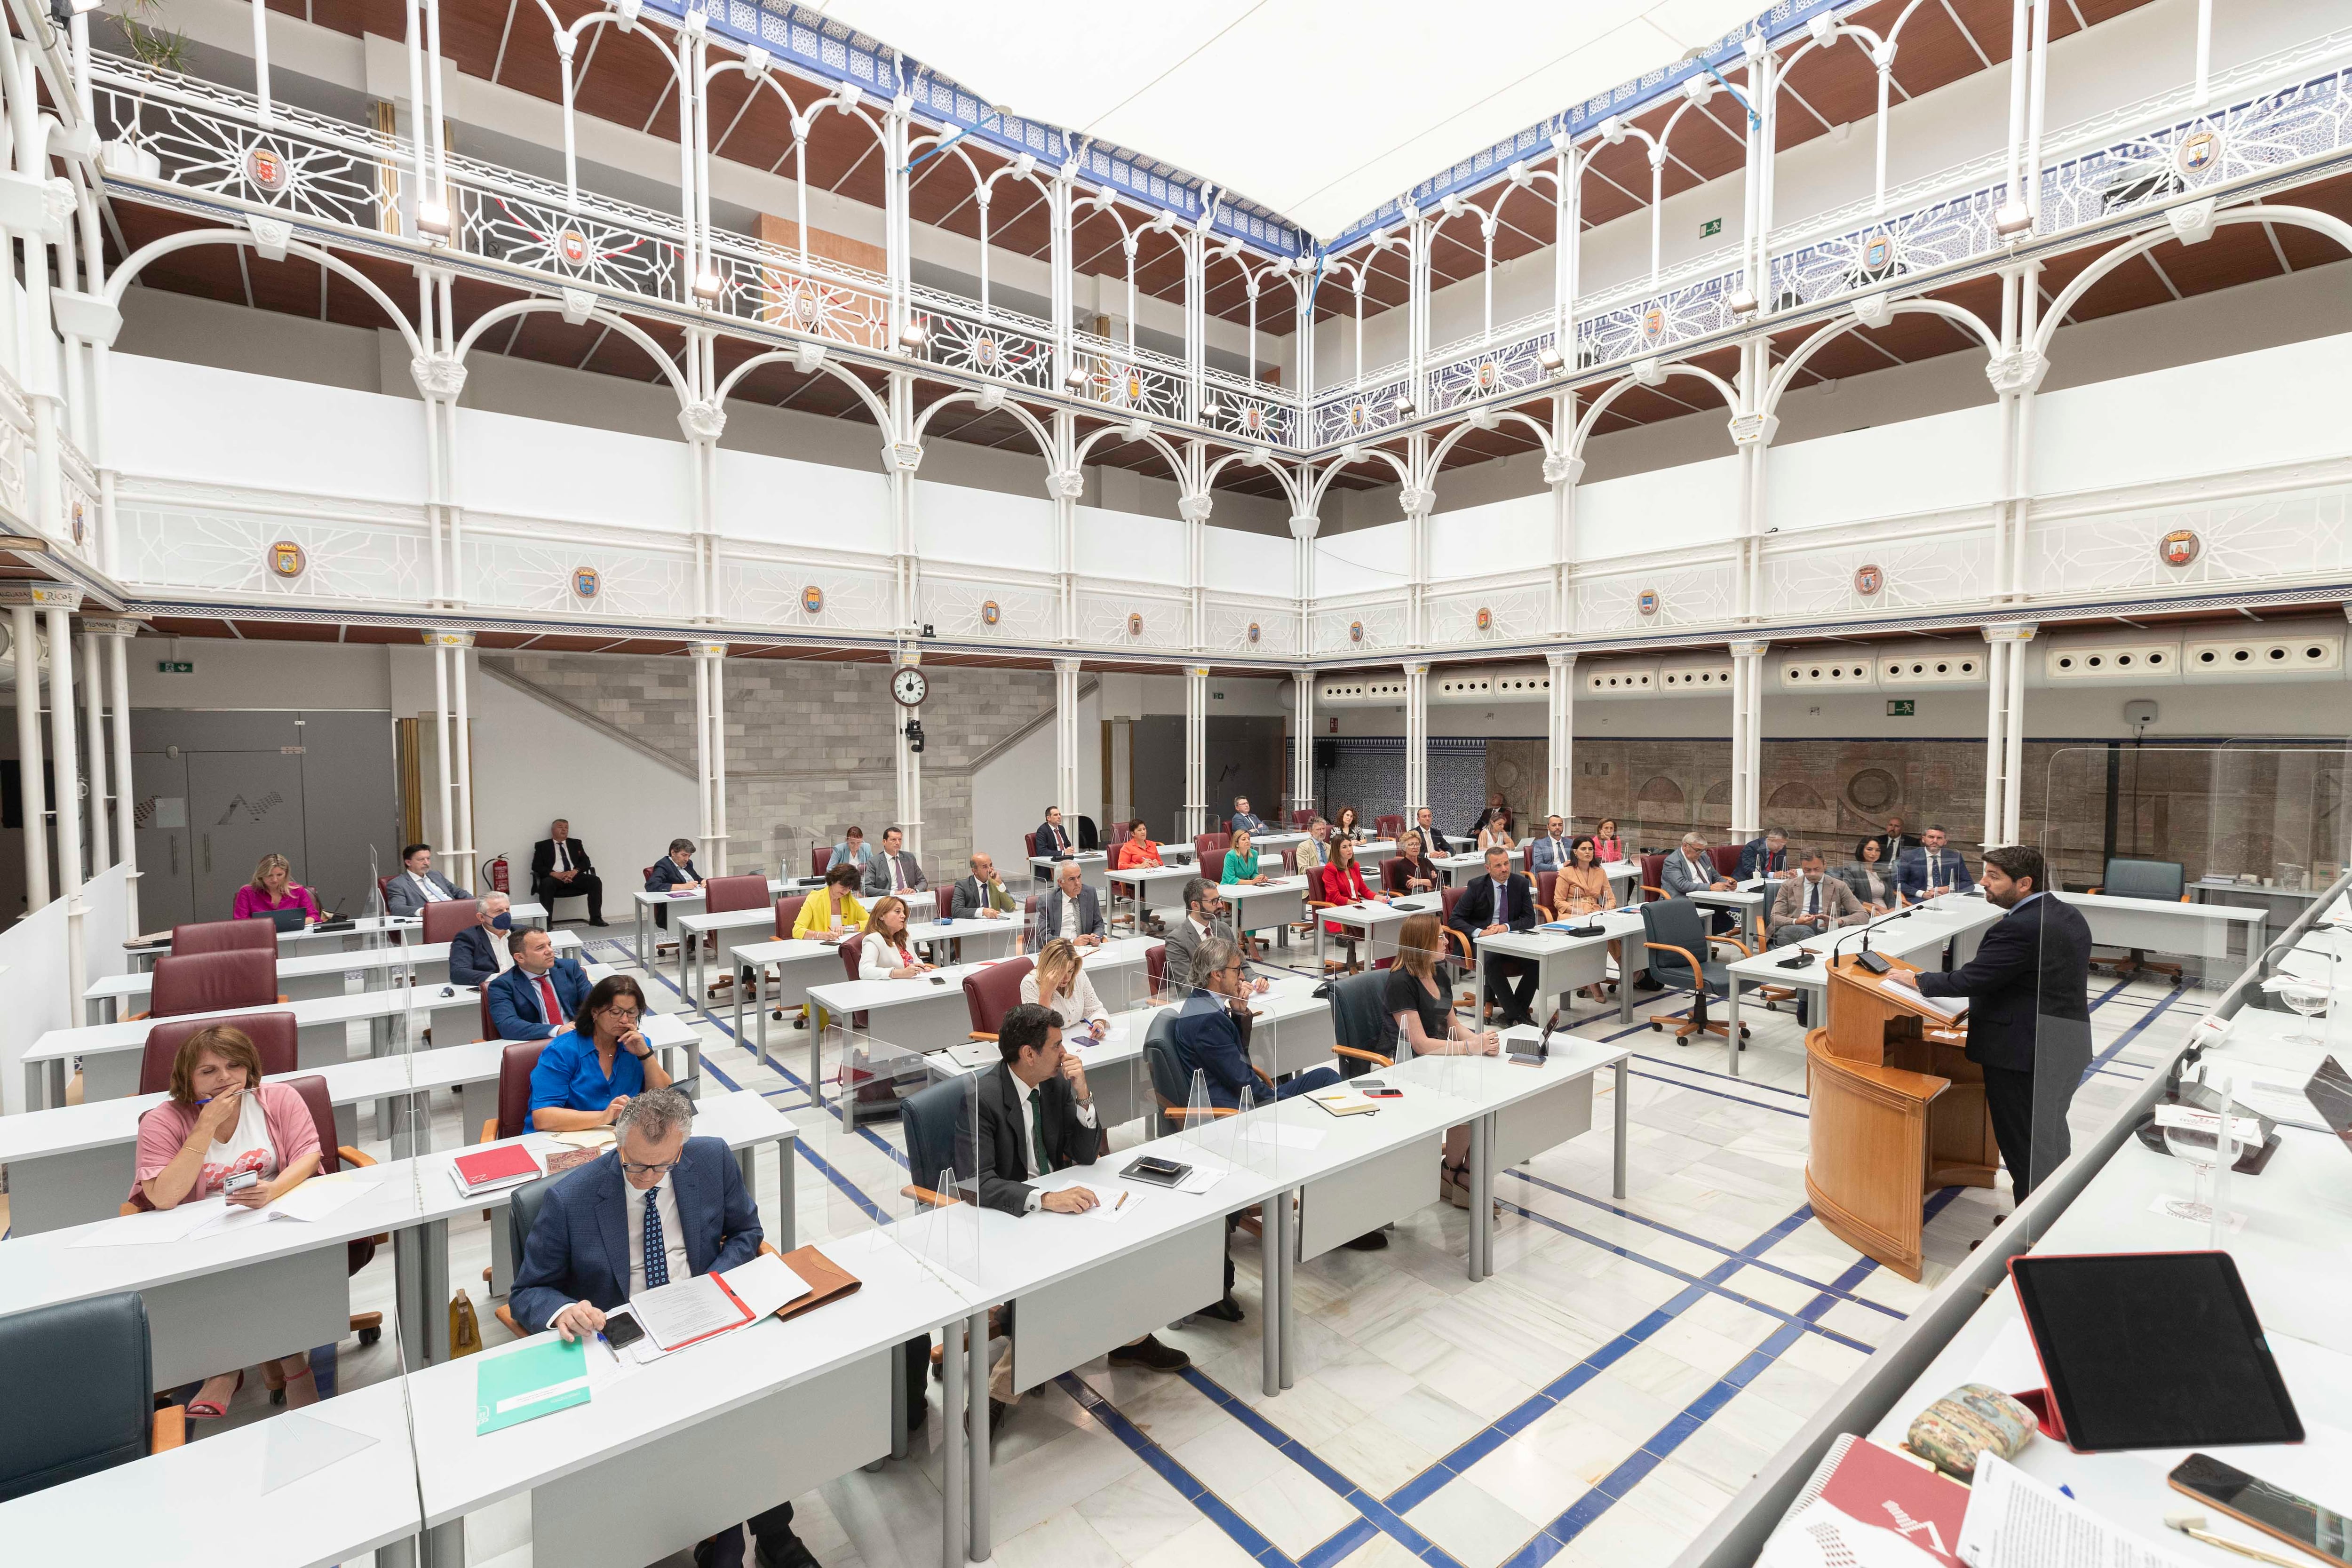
x: 2055, y: 312
x: 627, y: 329
x: 136, y: 262
x: 1830, y: 332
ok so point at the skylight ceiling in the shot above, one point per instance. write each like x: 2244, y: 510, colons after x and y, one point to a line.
x: 1320, y: 113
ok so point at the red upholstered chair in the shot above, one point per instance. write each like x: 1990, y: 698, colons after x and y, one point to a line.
x: 1209, y: 852
x: 445, y: 919
x: 990, y: 993
x: 274, y: 1037
x: 721, y: 894
x: 515, y: 1063
x: 211, y: 982
x: 1118, y: 832
x: 1029, y: 844
x: 820, y: 857
x: 1302, y: 816
x: 221, y: 936
x: 488, y: 1032
x: 383, y: 892
x: 1388, y: 826
x: 788, y: 910
x: 1155, y: 968
x: 1654, y: 876
x: 332, y: 1158
x: 1727, y: 858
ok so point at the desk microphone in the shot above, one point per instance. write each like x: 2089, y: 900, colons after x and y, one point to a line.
x: 1869, y: 960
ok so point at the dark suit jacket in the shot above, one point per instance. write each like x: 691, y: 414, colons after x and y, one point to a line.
x: 2028, y: 990
x: 473, y: 961
x: 666, y: 874
x: 1474, y: 911
x: 1952, y: 868
x: 578, y: 1249
x: 1209, y: 1040
x: 515, y: 1006
x: 1054, y: 841
x: 542, y: 861
x: 1002, y: 1170
x: 1433, y: 842
x: 1049, y: 914
x: 972, y: 895
x: 400, y: 897
x: 878, y: 873
x: 1755, y: 860
x: 1892, y: 847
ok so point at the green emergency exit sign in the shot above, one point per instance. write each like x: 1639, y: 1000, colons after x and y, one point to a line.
x: 1901, y: 708
x: 175, y: 666
x: 1710, y: 228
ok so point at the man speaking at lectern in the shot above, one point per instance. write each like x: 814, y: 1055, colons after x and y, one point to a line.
x: 2028, y: 991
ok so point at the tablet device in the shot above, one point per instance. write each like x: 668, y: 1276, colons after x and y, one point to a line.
x: 2151, y: 1349
x: 2330, y: 1094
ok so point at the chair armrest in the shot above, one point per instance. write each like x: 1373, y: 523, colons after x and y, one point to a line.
x: 1319, y: 904
x: 925, y: 1195
x: 1374, y: 1057
x: 1545, y: 913
x: 506, y: 1319
x: 770, y: 1248
x: 2097, y: 889
x: 1647, y: 889
x: 125, y: 1207
x: 351, y: 1156
x: 1460, y: 941
x: 489, y: 1130
x: 1184, y: 1113
x: 170, y: 1429
x: 980, y: 1035
x: 1683, y: 952
x: 1735, y: 942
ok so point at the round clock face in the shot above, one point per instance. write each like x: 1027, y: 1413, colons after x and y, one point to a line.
x: 910, y: 686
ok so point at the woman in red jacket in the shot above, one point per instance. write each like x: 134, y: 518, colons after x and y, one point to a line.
x: 1342, y: 882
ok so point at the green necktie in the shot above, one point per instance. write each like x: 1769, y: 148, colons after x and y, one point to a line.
x: 1037, y: 1131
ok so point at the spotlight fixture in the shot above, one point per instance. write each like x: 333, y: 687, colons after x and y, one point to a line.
x: 1551, y: 359
x: 1404, y: 406
x: 1743, y: 303
x: 708, y: 286
x: 1212, y: 411
x: 2011, y: 220
x: 1076, y: 377
x: 433, y: 219
x: 913, y: 335
x: 914, y: 736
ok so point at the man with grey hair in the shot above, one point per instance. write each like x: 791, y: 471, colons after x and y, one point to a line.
x: 660, y: 1205
x: 1693, y: 871
x: 478, y: 954
x: 1212, y: 1030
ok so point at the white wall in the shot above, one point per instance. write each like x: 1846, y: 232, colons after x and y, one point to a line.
x: 261, y: 675
x: 41, y: 996
x: 1009, y: 792
x: 176, y: 420
x: 1501, y: 536
x: 1363, y: 561
x: 1665, y: 509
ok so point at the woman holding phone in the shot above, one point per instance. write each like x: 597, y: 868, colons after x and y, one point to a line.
x: 225, y: 1130
x: 1425, y: 1020
x: 1059, y: 984
x: 587, y: 1075
x: 886, y: 954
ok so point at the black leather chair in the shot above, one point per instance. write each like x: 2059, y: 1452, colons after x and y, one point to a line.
x: 82, y: 1382
x: 2166, y: 880
x: 1680, y: 948
x: 522, y: 1213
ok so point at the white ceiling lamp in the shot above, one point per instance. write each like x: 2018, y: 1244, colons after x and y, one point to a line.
x: 709, y: 286
x: 1743, y: 302
x: 1551, y: 359
x: 1212, y: 411
x: 1404, y: 406
x: 433, y: 219
x: 1076, y: 377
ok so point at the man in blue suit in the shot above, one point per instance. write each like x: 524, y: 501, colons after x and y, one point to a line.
x: 1934, y: 867
x: 1210, y: 1031
x: 1765, y: 857
x: 474, y: 952
x: 1501, y: 900
x: 661, y: 1206
x: 540, y: 996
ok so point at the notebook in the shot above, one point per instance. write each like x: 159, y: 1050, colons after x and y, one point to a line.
x: 494, y: 1169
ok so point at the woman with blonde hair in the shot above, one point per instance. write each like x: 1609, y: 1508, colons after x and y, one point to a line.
x: 884, y: 953
x: 1419, y: 1000
x: 1059, y: 983
x: 222, y: 1130
x: 1416, y: 872
x: 273, y: 887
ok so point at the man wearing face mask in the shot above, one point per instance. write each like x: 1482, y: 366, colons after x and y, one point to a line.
x: 539, y: 998
x: 478, y: 954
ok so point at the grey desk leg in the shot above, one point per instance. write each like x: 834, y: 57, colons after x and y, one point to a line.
x: 737, y: 971
x: 1732, y: 1029
x: 694, y: 1066
x: 788, y: 1194
x: 36, y: 1086
x: 1274, y: 1214
x: 421, y: 1271
x: 953, y: 1514
x: 1625, y: 973
x: 816, y: 1028
x: 443, y: 1546
x: 900, y: 1441
x: 977, y: 1546
x: 747, y: 1161
x: 1287, y: 1258
x: 1624, y: 1122
x: 760, y: 1014
x: 1482, y: 1193
x: 686, y: 988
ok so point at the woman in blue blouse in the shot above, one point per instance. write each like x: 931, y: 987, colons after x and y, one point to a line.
x: 587, y: 1075
x: 1240, y: 865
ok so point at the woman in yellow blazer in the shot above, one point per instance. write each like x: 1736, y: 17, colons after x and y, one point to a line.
x: 838, y: 897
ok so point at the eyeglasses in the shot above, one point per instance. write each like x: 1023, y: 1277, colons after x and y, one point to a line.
x: 630, y: 1167
x: 625, y: 1014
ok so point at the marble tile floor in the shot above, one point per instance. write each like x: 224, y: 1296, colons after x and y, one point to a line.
x: 1628, y: 1368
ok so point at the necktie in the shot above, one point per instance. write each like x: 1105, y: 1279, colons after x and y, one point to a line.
x: 657, y: 1255
x: 1935, y: 869
x: 562, y: 856
x: 1813, y: 898
x: 1037, y: 1131
x: 547, y: 1002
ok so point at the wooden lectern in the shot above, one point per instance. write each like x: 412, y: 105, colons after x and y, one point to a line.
x: 1897, y: 1113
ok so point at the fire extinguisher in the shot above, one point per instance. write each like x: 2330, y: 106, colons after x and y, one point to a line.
x: 498, y: 875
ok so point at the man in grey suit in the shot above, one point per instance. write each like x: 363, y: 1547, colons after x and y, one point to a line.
x: 1204, y: 917
x: 1811, y: 902
x: 1072, y: 909
x: 894, y: 870
x: 419, y: 884
x: 1693, y: 871
x: 982, y: 895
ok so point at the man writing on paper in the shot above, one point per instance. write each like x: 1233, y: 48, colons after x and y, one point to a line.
x: 1031, y: 1114
x: 659, y: 1206
x: 2029, y: 1012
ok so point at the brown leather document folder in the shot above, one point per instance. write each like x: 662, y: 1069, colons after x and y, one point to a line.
x: 826, y: 1281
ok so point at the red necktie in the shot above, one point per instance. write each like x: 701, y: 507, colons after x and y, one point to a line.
x: 547, y: 1000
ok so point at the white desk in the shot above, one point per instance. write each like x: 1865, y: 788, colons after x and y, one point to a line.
x: 1747, y: 899
x: 1150, y: 888
x: 1459, y: 869
x: 1093, y: 869
x: 1375, y: 925
x: 971, y: 938
x: 235, y: 1299
x: 2282, y: 904
x: 2154, y: 925
x: 690, y: 903
x: 312, y: 974
x: 1564, y: 962
x: 349, y: 938
x: 798, y: 965
x: 1274, y: 903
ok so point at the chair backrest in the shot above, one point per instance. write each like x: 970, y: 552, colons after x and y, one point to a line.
x: 1676, y: 921
x: 275, y: 1036
x: 514, y: 1086
x: 1155, y: 967
x: 1289, y: 860
x: 1302, y: 816
x: 1725, y: 857
x: 1388, y: 826
x: 221, y: 936
x: 1359, y: 1017
x: 1393, y: 871
x: 2162, y: 880
x: 929, y: 1118
x: 522, y: 1210
x: 820, y: 857
x: 1169, y: 1083
x: 208, y: 981
x: 745, y: 892
x: 1029, y: 844
x: 852, y: 946
x: 1447, y: 899
x: 1209, y: 852
x: 313, y: 1090
x: 383, y: 891
x: 84, y: 1383
x: 445, y: 919
x: 1654, y: 870
x: 489, y: 1030
x: 989, y: 993
x: 1119, y: 830
x: 788, y: 910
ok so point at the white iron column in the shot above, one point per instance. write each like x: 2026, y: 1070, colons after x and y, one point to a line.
x: 93, y: 691
x: 2004, y: 729
x: 702, y: 771
x: 903, y: 458
x: 1302, y: 748
x: 1562, y: 472
x: 1066, y: 484
x: 1194, y: 509
x: 61, y: 603
x: 1560, y: 792
x: 1066, y: 742
x: 1302, y: 529
x: 2012, y: 788
x: 1196, y: 748
x: 910, y: 764
x: 1416, y: 737
x: 25, y: 643
x: 1746, y: 738
x: 115, y: 636
x: 710, y: 751
x: 454, y: 749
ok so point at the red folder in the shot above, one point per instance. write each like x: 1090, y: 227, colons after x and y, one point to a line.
x: 1885, y: 1491
x: 500, y: 1165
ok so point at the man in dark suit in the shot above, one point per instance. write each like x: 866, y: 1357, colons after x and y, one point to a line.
x: 418, y: 883
x: 1765, y: 857
x: 1433, y: 842
x: 2029, y: 1012
x: 1934, y: 867
x: 1501, y: 900
x: 660, y: 1207
x: 540, y: 996
x: 1212, y: 1030
x: 475, y: 953
x: 1072, y: 909
x: 559, y: 868
x: 894, y: 870
x: 1053, y: 839
x: 1244, y: 817
x: 1892, y: 843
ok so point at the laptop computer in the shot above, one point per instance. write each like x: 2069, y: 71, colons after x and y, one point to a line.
x: 286, y: 919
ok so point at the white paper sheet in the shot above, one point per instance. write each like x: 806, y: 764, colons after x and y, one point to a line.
x: 152, y: 1230
x: 2016, y: 1522
x: 1114, y: 1206
x: 684, y: 1309
x: 316, y: 1198
x: 1197, y: 1180
x: 1288, y: 1136
x: 1943, y: 1008
x: 765, y: 1284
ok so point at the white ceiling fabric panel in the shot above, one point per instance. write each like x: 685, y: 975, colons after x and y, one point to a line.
x: 1320, y: 113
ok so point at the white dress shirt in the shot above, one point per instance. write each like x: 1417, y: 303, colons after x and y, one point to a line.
x: 430, y: 889
x: 563, y: 854
x: 1069, y: 917
x: 673, y: 1231
x: 1029, y: 1135
x: 1079, y: 1005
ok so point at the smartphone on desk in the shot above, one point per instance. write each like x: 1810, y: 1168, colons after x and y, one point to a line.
x: 2272, y: 1509
x: 622, y: 1329
x: 1373, y: 1089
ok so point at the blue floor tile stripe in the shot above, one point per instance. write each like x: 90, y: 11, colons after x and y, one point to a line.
x: 1163, y: 1464
x: 2137, y: 1026
x: 1717, y: 1093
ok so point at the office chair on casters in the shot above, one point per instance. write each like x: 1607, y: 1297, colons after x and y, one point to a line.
x: 81, y: 1375
x: 1675, y: 935
x: 2165, y: 881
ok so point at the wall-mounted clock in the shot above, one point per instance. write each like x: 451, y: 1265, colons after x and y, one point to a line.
x: 911, y: 686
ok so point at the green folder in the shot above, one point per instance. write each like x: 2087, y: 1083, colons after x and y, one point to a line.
x: 524, y: 1384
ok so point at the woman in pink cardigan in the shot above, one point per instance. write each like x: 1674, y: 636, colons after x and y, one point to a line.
x: 273, y: 887
x: 222, y: 1123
